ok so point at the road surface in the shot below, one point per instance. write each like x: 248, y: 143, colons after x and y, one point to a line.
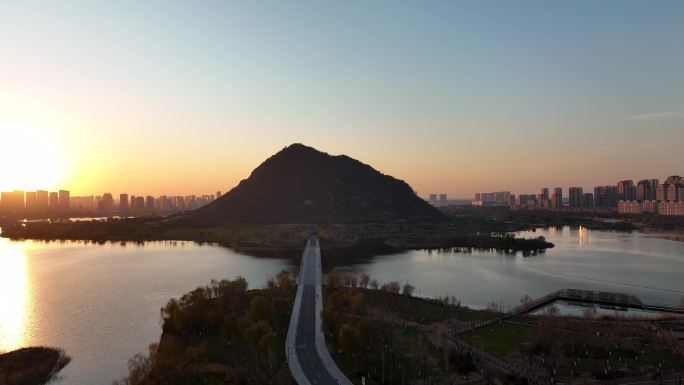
x: 307, y: 355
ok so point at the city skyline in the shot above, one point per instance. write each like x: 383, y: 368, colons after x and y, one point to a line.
x: 450, y: 98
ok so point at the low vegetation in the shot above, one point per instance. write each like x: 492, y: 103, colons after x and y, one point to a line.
x: 31, y: 366
x: 381, y: 332
x: 221, y: 334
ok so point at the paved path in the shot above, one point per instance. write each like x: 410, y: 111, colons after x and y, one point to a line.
x: 307, y: 355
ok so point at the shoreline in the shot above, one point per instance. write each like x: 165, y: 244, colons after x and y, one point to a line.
x: 671, y: 235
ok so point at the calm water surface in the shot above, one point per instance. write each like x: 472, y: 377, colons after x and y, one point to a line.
x: 645, y: 265
x: 101, y: 302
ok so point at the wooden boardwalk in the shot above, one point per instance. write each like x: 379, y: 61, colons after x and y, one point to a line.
x: 618, y: 300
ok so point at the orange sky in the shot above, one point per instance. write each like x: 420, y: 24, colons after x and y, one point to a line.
x: 120, y: 97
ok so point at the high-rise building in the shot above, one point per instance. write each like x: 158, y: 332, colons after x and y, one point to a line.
x: 123, y: 203
x: 433, y: 199
x: 140, y: 203
x: 31, y: 201
x: 64, y: 201
x: 661, y: 192
x: 53, y: 201
x: 442, y: 198
x: 218, y: 194
x: 605, y: 196
x: 587, y: 200
x: 626, y: 190
x: 672, y: 192
x: 557, y: 198
x: 523, y: 199
x: 12, y: 202
x: 132, y: 205
x: 544, y: 193
x: 107, y: 203
x: 149, y: 203
x: 84, y: 203
x: 575, y: 196
x: 646, y: 190
x: 42, y: 200
x: 653, y: 185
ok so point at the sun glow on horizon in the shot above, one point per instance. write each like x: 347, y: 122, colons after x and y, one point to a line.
x: 31, y: 158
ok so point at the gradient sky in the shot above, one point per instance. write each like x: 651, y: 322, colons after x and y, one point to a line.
x: 456, y: 97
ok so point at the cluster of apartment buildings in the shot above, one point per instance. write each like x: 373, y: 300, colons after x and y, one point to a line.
x: 647, y: 196
x: 442, y: 201
x: 42, y: 203
x: 666, y: 198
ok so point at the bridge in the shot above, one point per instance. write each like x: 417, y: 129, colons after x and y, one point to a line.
x: 307, y: 355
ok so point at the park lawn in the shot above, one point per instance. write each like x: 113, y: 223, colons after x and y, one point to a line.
x: 421, y: 310
x: 500, y: 340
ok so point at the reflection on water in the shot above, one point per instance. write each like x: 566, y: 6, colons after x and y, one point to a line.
x: 100, y: 302
x: 14, y: 296
x: 644, y: 265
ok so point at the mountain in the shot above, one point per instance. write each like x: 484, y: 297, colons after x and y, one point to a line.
x: 300, y: 184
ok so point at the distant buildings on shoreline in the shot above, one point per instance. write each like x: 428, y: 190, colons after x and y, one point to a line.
x: 647, y: 196
x: 41, y: 203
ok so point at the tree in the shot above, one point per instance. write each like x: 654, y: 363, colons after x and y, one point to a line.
x: 256, y: 331
x: 408, y: 289
x: 364, y: 279
x: 334, y: 279
x: 391, y: 287
x: 259, y: 309
x: 374, y: 284
x: 356, y: 302
x: 282, y: 306
x: 284, y: 281
x: 348, y: 337
x: 589, y: 312
x: 526, y: 299
x: 330, y: 316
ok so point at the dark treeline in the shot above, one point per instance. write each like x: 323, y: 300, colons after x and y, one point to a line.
x: 359, y: 240
x: 34, y: 365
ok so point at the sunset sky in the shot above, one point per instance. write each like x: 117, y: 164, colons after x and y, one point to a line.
x: 457, y: 97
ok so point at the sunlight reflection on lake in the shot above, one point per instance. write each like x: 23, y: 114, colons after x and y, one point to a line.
x: 15, y: 309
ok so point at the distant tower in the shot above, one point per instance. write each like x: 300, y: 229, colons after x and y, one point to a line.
x: 54, y: 201
x: 42, y: 200
x: 64, y: 200
x: 433, y: 199
x: 123, y: 203
x: 557, y: 198
x: 575, y: 196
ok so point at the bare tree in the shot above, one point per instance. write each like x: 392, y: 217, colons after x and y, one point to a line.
x: 364, y: 279
x: 526, y: 299
x: 374, y: 284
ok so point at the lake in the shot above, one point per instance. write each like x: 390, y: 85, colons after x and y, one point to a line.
x: 101, y: 302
